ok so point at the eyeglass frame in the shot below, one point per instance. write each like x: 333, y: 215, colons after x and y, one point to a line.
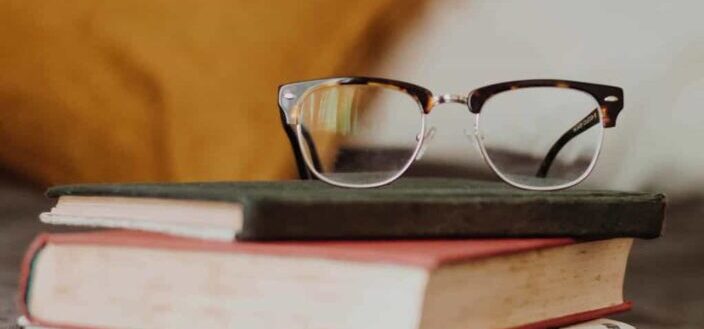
x: 609, y: 98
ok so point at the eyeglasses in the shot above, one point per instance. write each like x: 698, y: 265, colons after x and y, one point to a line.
x: 366, y: 132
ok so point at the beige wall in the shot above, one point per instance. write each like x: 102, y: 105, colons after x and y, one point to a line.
x: 653, y: 49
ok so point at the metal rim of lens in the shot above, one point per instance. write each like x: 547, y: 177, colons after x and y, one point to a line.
x: 497, y: 171
x: 311, y: 167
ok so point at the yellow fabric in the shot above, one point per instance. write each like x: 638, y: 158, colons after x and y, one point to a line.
x: 169, y: 90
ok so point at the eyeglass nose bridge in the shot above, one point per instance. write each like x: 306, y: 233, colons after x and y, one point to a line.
x: 449, y: 98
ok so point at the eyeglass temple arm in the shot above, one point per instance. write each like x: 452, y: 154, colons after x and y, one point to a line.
x: 303, y: 171
x: 587, y: 122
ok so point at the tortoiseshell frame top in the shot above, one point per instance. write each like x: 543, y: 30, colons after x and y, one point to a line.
x: 609, y: 108
x: 300, y: 89
x: 609, y: 98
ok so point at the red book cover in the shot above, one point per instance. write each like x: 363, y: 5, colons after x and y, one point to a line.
x: 429, y: 254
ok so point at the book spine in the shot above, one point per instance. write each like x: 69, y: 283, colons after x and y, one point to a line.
x: 26, y: 272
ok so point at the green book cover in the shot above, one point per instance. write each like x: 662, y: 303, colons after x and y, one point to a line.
x: 408, y: 208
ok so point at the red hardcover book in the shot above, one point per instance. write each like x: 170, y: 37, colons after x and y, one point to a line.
x: 123, y: 279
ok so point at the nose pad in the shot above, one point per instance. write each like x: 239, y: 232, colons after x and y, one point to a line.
x: 427, y: 138
x: 473, y: 136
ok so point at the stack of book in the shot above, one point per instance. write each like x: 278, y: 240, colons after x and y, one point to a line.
x: 421, y: 253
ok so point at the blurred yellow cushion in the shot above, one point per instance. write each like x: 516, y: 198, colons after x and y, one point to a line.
x: 170, y: 90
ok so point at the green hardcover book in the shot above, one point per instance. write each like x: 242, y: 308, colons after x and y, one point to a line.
x: 306, y: 210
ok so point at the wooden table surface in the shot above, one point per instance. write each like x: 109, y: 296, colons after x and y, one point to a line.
x: 665, y: 276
